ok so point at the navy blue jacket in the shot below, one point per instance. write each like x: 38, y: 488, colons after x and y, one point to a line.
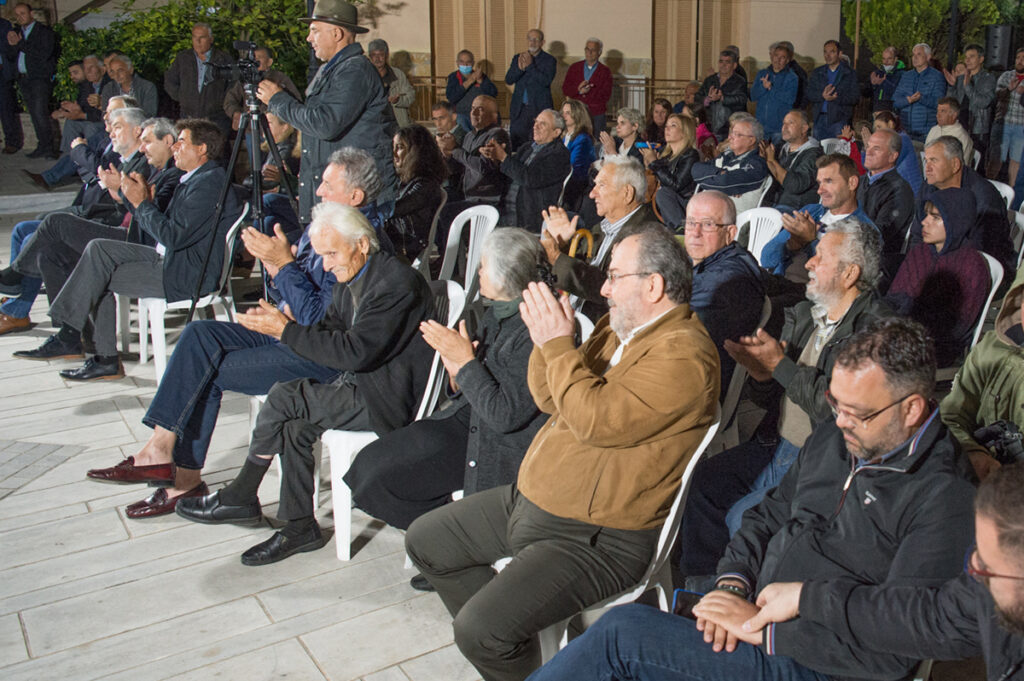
x: 840, y: 109
x: 919, y: 117
x: 535, y: 80
x: 728, y: 297
x: 462, y: 98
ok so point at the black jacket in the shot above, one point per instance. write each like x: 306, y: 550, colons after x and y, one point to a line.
x: 806, y: 385
x: 905, y: 521
x: 408, y: 227
x: 181, y: 81
x: 734, y: 99
x: 951, y: 622
x: 164, y: 181
x: 536, y: 184
x: 889, y: 202
x: 377, y: 339
x: 800, y: 187
x: 503, y: 416
x: 94, y: 202
x: 185, y: 230
x: 847, y: 90
x: 41, y: 49
x: 675, y: 173
x: 482, y: 179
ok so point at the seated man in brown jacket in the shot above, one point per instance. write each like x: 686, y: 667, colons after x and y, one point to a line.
x: 583, y: 519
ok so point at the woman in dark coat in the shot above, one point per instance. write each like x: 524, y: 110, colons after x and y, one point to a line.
x: 672, y: 168
x: 479, y: 439
x: 421, y: 170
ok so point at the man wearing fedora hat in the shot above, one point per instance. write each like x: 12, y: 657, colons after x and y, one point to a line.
x: 346, y: 105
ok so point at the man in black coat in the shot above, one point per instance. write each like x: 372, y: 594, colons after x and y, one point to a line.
x: 194, y: 85
x: 537, y: 171
x: 833, y: 91
x: 371, y: 334
x: 10, y: 122
x: 886, y: 197
x: 33, y: 48
x: 171, y: 270
x: 722, y: 94
x: 530, y: 72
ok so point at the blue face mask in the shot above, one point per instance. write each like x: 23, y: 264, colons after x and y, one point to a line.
x: 465, y: 70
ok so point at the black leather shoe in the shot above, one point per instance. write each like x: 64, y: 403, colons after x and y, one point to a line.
x: 38, y: 180
x: 210, y: 510
x: 280, y: 547
x: 39, y: 152
x: 94, y: 371
x: 53, y: 348
x: 420, y: 583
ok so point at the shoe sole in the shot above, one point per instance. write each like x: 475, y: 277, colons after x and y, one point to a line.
x: 16, y: 329
x: 47, y: 359
x: 305, y: 548
x: 251, y: 521
x: 112, y: 377
x: 151, y: 483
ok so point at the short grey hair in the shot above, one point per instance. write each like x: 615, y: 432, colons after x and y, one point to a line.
x: 926, y: 46
x: 628, y: 171
x: 951, y: 147
x: 600, y: 43
x: 728, y: 206
x: 895, y: 141
x: 559, y: 119
x: 123, y: 58
x: 203, y: 24
x: 130, y: 115
x: 514, y: 259
x: 126, y: 101
x: 377, y: 45
x: 162, y: 127
x: 347, y: 222
x: 661, y: 253
x: 756, y: 128
x: 359, y: 170
x: 632, y: 115
x: 862, y: 247
x: 92, y: 56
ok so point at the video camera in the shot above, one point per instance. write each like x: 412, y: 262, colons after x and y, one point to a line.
x: 1004, y: 440
x: 246, y: 70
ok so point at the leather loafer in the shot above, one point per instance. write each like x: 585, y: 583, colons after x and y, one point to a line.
x: 10, y: 324
x: 421, y: 583
x: 279, y: 547
x: 210, y: 510
x: 53, y: 348
x: 38, y: 180
x: 11, y: 149
x: 158, y: 503
x: 94, y: 371
x: 127, y: 471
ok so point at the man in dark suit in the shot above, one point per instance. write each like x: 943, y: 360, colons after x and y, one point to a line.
x: 34, y: 50
x: 9, y: 119
x: 189, y: 81
x: 531, y: 72
x: 536, y: 171
x: 170, y: 270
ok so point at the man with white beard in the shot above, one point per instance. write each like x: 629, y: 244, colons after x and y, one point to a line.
x: 841, y: 300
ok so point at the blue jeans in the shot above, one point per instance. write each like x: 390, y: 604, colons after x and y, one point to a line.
x: 20, y: 306
x: 212, y: 357
x: 769, y: 478
x: 641, y: 643
x: 277, y: 209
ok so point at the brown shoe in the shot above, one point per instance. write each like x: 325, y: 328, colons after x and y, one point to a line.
x: 127, y: 471
x: 10, y: 324
x: 158, y: 502
x: 38, y: 180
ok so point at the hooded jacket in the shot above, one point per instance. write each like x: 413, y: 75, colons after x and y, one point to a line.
x: 881, y: 94
x: 944, y: 289
x: 990, y: 385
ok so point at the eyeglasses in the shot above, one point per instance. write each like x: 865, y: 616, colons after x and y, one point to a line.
x: 613, y: 277
x: 706, y: 226
x: 862, y: 421
x: 979, y: 574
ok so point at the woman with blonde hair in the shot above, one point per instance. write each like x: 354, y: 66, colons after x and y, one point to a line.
x: 672, y: 168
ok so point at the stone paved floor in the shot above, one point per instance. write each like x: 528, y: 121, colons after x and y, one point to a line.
x: 86, y: 593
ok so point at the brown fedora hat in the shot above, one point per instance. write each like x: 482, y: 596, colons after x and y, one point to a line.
x: 336, y: 12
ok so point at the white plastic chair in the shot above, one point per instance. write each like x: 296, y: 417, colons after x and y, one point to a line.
x: 977, y: 159
x: 342, y: 445
x: 753, y: 198
x: 1018, y: 235
x: 152, y: 310
x: 995, y: 272
x: 483, y: 220
x: 835, y: 145
x: 1005, y: 190
x: 658, y: 575
x: 729, y: 433
x: 422, y: 263
x: 565, y: 183
x: 764, y: 223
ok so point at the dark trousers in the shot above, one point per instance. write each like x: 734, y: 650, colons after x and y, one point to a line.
x: 277, y: 210
x: 107, y: 267
x: 520, y: 128
x: 10, y: 120
x: 671, y: 206
x: 412, y: 470
x: 36, y: 94
x: 291, y: 422
x: 57, y: 247
x: 718, y: 483
x: 559, y: 567
x: 212, y: 357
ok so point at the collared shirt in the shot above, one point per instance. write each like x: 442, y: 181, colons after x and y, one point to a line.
x: 588, y: 71
x: 617, y: 355
x: 25, y: 30
x: 913, y: 441
x: 201, y: 64
x: 874, y: 176
x: 609, y: 231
